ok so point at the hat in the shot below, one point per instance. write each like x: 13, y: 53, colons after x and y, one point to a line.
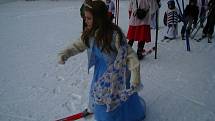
x: 171, y: 2
x: 193, y: 1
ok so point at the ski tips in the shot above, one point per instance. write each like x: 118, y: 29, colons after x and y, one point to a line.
x: 77, y: 116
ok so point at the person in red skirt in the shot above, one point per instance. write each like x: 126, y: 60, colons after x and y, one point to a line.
x: 139, y: 29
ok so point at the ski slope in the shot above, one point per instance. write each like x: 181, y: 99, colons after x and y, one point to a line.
x: 178, y: 85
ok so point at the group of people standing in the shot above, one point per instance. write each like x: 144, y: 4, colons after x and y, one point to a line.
x: 116, y: 79
x: 196, y: 12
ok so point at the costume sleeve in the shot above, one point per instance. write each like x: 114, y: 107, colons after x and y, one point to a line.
x: 77, y: 47
x: 132, y: 62
x: 134, y: 66
x: 165, y: 19
x: 130, y: 8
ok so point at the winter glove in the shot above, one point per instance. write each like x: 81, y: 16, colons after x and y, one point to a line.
x: 137, y: 88
x: 63, y: 59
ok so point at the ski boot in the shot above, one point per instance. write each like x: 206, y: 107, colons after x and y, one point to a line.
x: 131, y: 42
x: 183, y: 37
x: 201, y: 25
x: 140, y: 50
x: 204, y: 35
x: 209, y: 38
x: 140, y: 53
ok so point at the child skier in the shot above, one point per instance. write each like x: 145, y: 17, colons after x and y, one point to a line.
x: 113, y: 94
x: 171, y: 19
x: 190, y: 15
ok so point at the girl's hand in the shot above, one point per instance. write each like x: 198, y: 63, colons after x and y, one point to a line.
x: 62, y: 59
x: 61, y: 62
x: 137, y: 87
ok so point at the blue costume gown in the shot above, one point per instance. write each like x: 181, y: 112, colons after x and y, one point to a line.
x: 133, y: 109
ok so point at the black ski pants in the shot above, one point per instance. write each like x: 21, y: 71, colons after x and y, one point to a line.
x: 209, y: 27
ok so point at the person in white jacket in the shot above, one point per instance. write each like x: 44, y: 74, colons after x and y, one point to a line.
x: 111, y: 9
x: 139, y: 29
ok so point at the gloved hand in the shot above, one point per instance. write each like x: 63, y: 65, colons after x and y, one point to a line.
x: 136, y: 87
x: 63, y: 59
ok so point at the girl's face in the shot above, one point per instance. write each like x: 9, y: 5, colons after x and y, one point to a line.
x: 171, y: 6
x: 88, y: 19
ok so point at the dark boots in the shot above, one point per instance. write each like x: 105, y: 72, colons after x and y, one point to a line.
x: 131, y: 42
x: 140, y: 48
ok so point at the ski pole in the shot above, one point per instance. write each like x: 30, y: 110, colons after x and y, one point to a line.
x: 156, y: 39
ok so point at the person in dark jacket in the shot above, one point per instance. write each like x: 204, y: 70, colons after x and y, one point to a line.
x: 209, y: 27
x: 190, y: 15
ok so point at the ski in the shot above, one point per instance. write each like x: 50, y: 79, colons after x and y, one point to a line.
x: 147, y: 52
x: 194, y: 34
x: 169, y: 40
x: 164, y: 39
x: 76, y: 116
x: 209, y: 40
x: 199, y: 39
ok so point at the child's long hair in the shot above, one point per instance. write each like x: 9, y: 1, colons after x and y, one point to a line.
x: 102, y: 26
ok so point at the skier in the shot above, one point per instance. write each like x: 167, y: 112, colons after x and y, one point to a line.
x: 116, y: 80
x: 190, y: 16
x: 111, y: 9
x: 139, y: 29
x: 209, y: 27
x: 171, y: 19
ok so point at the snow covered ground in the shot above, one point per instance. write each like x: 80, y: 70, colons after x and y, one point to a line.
x: 178, y: 86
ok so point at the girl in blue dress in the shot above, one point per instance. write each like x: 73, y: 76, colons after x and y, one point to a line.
x: 116, y: 79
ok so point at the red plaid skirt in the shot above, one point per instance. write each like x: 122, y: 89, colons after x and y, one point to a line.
x: 139, y: 33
